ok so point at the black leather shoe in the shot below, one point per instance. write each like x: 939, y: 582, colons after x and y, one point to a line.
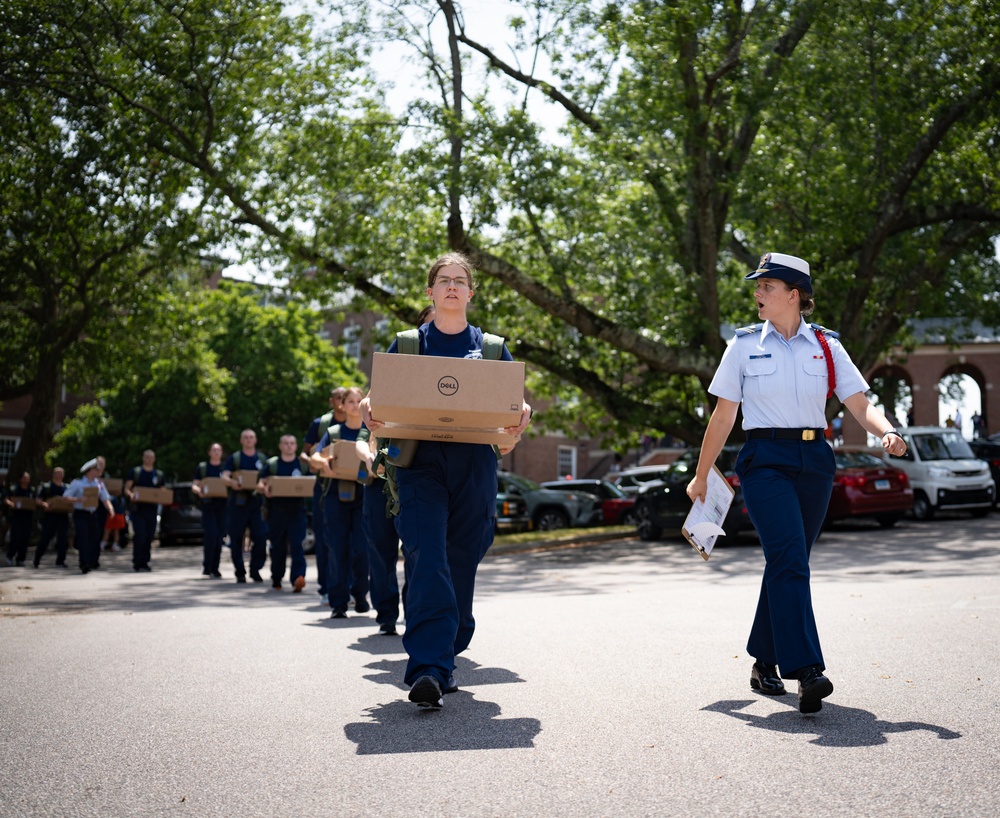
x: 813, y: 688
x: 426, y: 692
x: 765, y: 679
x: 450, y: 687
x: 255, y: 575
x: 387, y: 629
x: 338, y: 613
x: 361, y: 606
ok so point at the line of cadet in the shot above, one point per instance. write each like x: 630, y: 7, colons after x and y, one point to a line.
x: 357, y: 547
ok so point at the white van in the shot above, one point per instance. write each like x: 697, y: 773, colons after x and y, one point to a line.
x: 944, y: 472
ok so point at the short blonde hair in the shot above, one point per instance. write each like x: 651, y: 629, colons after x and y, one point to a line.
x: 448, y: 259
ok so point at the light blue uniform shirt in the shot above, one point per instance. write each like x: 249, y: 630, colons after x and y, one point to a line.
x: 783, y: 384
x: 75, y: 489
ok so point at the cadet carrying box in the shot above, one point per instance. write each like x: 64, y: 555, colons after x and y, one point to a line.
x: 454, y: 400
x: 346, y: 463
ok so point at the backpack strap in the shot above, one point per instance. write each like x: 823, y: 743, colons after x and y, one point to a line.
x: 324, y: 424
x: 203, y: 469
x: 408, y: 342
x: 272, y: 465
x: 492, y: 346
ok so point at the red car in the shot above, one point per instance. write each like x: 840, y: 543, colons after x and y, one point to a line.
x: 617, y: 508
x: 867, y: 486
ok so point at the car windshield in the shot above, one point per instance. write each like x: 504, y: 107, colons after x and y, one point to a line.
x: 522, y: 483
x: 858, y: 460
x: 944, y: 446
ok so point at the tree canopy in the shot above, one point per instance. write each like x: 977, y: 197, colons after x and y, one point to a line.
x: 199, y: 367
x: 696, y: 136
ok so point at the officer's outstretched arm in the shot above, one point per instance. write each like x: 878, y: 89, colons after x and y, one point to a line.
x: 716, y: 435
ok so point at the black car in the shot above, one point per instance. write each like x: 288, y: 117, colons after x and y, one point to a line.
x: 181, y: 520
x: 663, y: 504
x: 989, y: 450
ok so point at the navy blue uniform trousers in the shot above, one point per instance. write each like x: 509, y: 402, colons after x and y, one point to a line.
x: 54, y: 524
x: 20, y: 534
x: 213, y: 525
x: 346, y: 548
x: 383, y: 554
x: 447, y: 509
x: 245, y: 512
x: 144, y: 525
x: 86, y: 538
x: 286, y: 528
x: 787, y: 486
x: 319, y: 536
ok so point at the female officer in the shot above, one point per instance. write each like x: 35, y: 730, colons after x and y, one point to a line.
x: 783, y: 371
x: 447, y: 504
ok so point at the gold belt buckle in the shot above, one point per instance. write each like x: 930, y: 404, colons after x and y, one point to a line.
x: 808, y: 434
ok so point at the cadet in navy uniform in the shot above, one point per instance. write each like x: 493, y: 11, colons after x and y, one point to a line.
x: 347, y: 546
x: 54, y: 523
x: 143, y: 515
x: 286, y: 516
x: 87, y: 537
x: 245, y: 508
x: 213, y: 512
x: 21, y: 520
x: 316, y: 431
x: 783, y: 371
x: 447, y: 504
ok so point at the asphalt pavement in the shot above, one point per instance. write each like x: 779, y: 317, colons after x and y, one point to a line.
x: 604, y: 679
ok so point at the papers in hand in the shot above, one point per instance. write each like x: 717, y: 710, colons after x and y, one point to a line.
x: 703, y: 525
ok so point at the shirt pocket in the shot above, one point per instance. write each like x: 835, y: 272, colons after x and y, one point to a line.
x: 760, y: 379
x: 815, y: 379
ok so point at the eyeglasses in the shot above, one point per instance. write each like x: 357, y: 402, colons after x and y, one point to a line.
x: 460, y: 283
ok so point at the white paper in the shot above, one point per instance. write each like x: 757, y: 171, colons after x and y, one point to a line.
x: 703, y: 525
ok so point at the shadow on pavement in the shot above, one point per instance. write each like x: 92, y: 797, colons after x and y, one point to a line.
x: 834, y: 725
x: 463, y: 724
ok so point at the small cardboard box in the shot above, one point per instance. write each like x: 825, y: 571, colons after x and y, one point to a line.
x: 213, y: 487
x: 146, y: 494
x: 458, y: 400
x: 113, y: 485
x: 247, y: 478
x: 23, y: 503
x: 292, y: 486
x: 91, y: 497
x: 346, y: 463
x: 62, y: 505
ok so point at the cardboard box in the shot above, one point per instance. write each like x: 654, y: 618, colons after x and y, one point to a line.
x: 247, y: 478
x: 91, y: 497
x: 61, y: 505
x: 145, y: 494
x: 346, y: 464
x: 292, y: 486
x: 213, y: 487
x: 457, y: 400
x: 114, y: 485
x: 23, y: 503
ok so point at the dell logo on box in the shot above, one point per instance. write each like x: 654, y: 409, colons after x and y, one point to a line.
x: 448, y: 385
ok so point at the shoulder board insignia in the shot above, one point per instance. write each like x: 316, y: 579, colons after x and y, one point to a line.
x: 749, y: 330
x: 825, y: 331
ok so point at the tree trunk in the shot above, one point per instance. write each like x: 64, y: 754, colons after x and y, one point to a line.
x: 40, y: 420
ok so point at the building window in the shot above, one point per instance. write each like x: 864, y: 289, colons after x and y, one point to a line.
x: 8, y: 445
x: 351, y: 339
x: 566, y: 461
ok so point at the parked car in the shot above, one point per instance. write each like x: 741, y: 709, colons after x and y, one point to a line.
x: 944, y: 472
x: 181, y: 520
x: 989, y: 450
x: 548, y: 508
x: 617, y: 507
x: 664, y: 504
x: 632, y: 479
x: 512, y: 511
x: 867, y: 486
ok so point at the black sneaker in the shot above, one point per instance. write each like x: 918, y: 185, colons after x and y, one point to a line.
x: 450, y: 686
x: 426, y: 692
